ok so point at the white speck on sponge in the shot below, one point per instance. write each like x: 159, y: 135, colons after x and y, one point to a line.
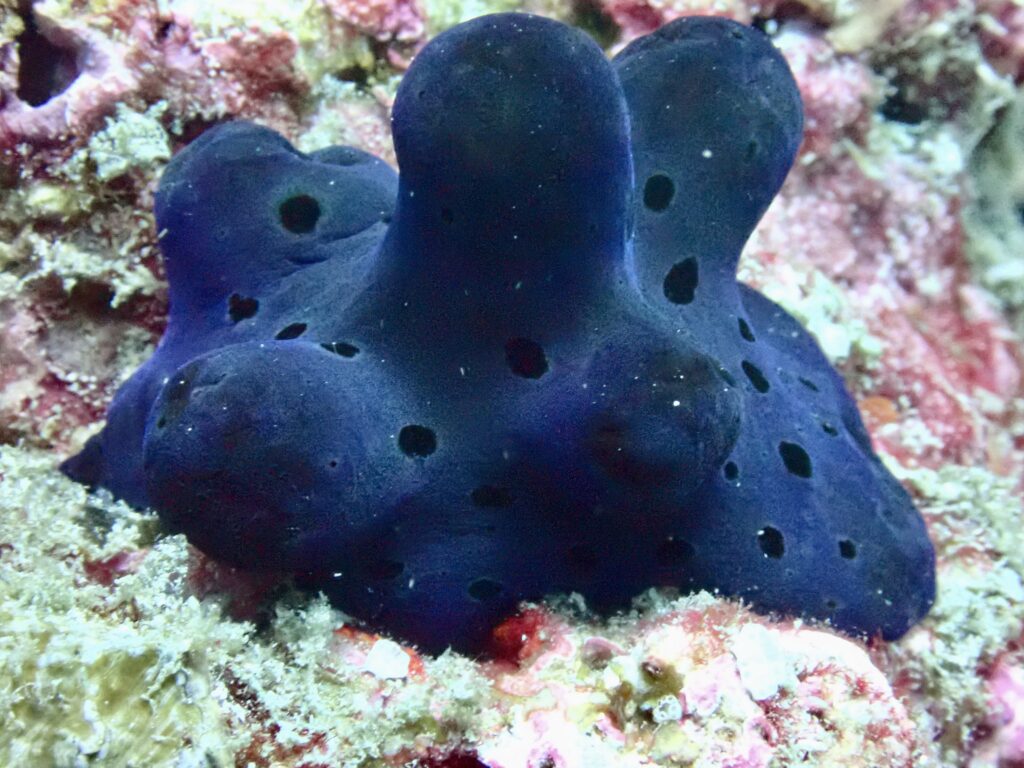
x: 387, y: 660
x: 764, y: 665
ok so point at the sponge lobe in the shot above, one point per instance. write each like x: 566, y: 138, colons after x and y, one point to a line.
x: 716, y: 121
x: 243, y: 209
x: 512, y: 136
x: 261, y: 451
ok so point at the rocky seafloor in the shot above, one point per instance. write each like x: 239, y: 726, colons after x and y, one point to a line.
x: 898, y: 241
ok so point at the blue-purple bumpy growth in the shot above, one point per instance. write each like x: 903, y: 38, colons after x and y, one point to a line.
x: 522, y: 366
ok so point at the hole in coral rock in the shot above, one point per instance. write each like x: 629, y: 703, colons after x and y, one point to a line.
x: 447, y: 216
x: 456, y: 759
x: 658, y: 192
x: 354, y: 74
x: 242, y: 307
x: 831, y: 605
x: 829, y: 429
x: 292, y: 331
x: 484, y: 589
x: 342, y: 348
x: 673, y: 552
x: 756, y: 377
x: 526, y: 358
x: 771, y: 542
x: 847, y: 549
x: 46, y: 69
x: 795, y: 458
x: 91, y: 298
x: 808, y: 383
x: 417, y: 441
x: 189, y: 130
x: 899, y: 108
x: 491, y: 496
x: 745, y: 332
x: 299, y: 214
x: 653, y: 671
x: 730, y: 470
x: 581, y: 557
x: 383, y: 570
x: 727, y: 377
x: 681, y: 282
x: 163, y: 30
x: 593, y: 18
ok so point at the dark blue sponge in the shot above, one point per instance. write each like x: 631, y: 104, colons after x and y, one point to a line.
x: 523, y: 367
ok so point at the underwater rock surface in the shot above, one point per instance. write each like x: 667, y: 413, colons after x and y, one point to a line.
x: 522, y: 367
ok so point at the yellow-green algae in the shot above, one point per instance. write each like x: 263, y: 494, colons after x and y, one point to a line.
x: 442, y: 14
x: 992, y: 221
x: 11, y: 24
x: 116, y: 676
x: 140, y: 673
x: 130, y: 140
x: 937, y: 59
x: 347, y: 113
x: 828, y: 315
x: 975, y: 520
x: 71, y: 226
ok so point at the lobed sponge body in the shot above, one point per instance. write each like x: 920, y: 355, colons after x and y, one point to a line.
x: 522, y: 367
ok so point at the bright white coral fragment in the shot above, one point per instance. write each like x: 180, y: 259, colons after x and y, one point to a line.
x: 764, y: 665
x: 387, y: 660
x: 667, y: 709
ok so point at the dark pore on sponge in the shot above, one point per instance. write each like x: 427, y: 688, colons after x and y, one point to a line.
x: 524, y: 366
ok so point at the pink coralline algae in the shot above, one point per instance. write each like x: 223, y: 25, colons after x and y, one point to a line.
x: 1005, y: 747
x: 641, y: 17
x: 664, y: 687
x: 400, y: 20
x: 887, y: 227
x: 837, y: 92
x: 137, y: 54
x: 103, y: 79
x: 1002, y: 37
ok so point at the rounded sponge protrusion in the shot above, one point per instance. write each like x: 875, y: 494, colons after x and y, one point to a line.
x: 240, y: 208
x: 270, y: 455
x: 513, y: 143
x: 716, y: 121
